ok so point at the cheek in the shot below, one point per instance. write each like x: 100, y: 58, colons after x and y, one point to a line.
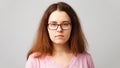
x: 51, y: 34
x: 68, y: 33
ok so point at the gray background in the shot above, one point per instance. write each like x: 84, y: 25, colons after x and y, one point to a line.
x: 100, y: 20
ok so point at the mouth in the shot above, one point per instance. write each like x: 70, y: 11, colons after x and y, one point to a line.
x: 59, y: 36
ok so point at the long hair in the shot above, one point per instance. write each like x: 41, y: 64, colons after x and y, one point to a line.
x: 43, y: 44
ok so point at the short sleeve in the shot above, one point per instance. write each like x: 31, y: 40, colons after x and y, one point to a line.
x: 32, y: 62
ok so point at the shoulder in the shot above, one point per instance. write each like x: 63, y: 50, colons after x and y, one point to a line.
x: 33, y: 55
x: 86, y: 58
x: 84, y: 55
x: 33, y: 61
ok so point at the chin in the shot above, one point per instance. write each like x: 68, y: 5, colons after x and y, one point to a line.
x: 60, y: 42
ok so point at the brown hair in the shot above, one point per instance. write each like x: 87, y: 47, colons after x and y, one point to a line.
x: 43, y: 44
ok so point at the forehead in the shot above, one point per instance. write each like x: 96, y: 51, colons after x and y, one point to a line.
x: 58, y: 16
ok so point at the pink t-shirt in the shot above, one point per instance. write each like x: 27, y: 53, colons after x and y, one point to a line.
x: 80, y: 61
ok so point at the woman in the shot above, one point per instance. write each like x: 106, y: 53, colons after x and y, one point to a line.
x: 60, y: 42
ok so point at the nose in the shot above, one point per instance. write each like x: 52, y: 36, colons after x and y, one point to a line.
x: 59, y: 28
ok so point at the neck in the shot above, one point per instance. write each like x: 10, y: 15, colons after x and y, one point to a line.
x: 60, y: 49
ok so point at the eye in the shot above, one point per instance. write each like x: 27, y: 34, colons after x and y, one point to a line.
x: 53, y: 24
x: 65, y: 24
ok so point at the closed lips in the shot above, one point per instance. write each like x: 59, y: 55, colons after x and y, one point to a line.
x: 59, y: 36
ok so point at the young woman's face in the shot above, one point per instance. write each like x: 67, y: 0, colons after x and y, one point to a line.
x: 59, y: 27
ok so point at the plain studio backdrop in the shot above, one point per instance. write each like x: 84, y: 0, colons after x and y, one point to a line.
x: 100, y: 20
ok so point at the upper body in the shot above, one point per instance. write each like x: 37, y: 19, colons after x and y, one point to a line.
x: 79, y: 61
x: 60, y: 42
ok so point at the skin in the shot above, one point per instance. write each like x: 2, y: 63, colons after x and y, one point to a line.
x: 60, y: 37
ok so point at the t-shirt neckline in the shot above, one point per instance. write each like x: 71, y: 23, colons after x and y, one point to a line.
x: 73, y: 59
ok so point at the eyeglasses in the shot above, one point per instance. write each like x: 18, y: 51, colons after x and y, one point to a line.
x: 54, y: 26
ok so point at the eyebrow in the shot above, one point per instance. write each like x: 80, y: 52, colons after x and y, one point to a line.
x: 53, y: 22
x: 62, y: 21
